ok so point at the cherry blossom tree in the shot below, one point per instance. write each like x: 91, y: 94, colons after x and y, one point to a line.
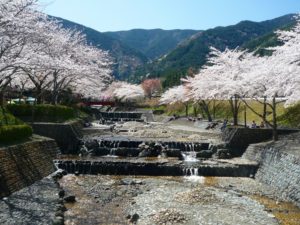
x: 176, y: 94
x: 129, y: 92
x: 16, y: 23
x: 278, y: 76
x: 220, y: 79
x: 51, y: 57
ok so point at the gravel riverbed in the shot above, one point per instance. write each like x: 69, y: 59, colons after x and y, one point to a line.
x: 173, y: 200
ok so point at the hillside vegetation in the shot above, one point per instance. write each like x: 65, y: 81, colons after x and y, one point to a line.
x: 192, y: 55
x: 153, y: 43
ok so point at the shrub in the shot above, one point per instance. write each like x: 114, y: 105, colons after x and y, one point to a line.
x: 12, y: 133
x: 291, y: 116
x: 7, y: 118
x: 43, y: 113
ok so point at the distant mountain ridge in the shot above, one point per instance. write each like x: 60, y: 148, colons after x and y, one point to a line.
x: 125, y: 58
x: 131, y: 49
x: 189, y: 57
x: 152, y: 43
x: 172, y: 54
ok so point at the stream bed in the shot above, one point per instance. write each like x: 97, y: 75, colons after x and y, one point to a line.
x: 105, y: 199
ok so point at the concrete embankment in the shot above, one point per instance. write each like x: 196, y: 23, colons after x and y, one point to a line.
x: 66, y: 135
x: 238, y: 139
x: 279, y: 165
x: 23, y: 164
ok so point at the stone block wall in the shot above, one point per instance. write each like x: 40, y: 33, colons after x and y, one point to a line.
x: 279, y: 167
x: 239, y: 138
x: 66, y: 135
x: 22, y: 165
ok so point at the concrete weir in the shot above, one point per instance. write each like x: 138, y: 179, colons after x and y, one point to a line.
x: 159, y: 167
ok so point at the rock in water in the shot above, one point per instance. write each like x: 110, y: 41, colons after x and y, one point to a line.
x: 134, y: 218
x: 70, y: 198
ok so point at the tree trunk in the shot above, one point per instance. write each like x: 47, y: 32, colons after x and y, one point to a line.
x: 245, y: 116
x: 195, y: 110
x: 214, y: 109
x: 265, y: 110
x: 234, y: 109
x: 39, y: 98
x: 54, y: 99
x: 186, y: 109
x: 205, y: 109
x: 275, y: 131
x: 1, y: 98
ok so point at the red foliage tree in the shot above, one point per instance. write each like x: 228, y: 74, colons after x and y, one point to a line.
x: 151, y: 86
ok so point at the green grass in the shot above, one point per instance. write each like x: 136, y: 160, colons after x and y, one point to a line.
x: 223, y: 111
x: 290, y: 117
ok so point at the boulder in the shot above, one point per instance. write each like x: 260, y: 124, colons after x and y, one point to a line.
x: 204, y: 154
x: 223, y: 154
x: 91, y: 144
x: 100, y: 151
x: 145, y: 153
x: 164, y: 154
x: 61, y: 193
x: 70, y: 198
x: 173, y: 153
x: 134, y: 218
x: 58, y: 220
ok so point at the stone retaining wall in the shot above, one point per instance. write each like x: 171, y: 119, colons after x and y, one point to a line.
x: 279, y: 167
x: 21, y: 165
x: 66, y: 135
x: 239, y: 138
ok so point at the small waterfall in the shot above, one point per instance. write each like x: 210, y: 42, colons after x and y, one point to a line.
x: 112, y: 151
x: 56, y: 164
x: 115, y: 144
x: 190, y: 171
x: 83, y: 151
x: 192, y: 174
x: 91, y: 165
x: 99, y: 142
x: 189, y: 156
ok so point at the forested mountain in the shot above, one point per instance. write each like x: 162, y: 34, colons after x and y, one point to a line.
x: 190, y: 56
x: 152, y: 43
x: 172, y: 54
x: 126, y: 59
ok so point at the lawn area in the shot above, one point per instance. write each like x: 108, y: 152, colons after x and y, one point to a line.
x: 289, y: 117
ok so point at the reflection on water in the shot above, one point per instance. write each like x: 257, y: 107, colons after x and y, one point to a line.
x: 286, y: 213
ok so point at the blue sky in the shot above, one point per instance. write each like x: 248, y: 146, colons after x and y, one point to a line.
x: 113, y: 15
